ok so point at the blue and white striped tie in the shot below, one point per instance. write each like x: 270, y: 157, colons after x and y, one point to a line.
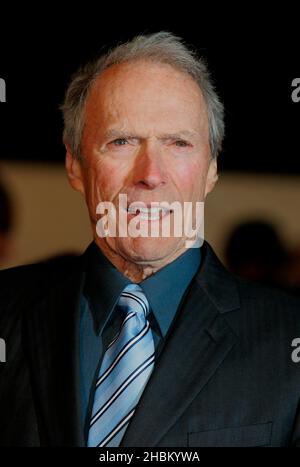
x: 126, y: 367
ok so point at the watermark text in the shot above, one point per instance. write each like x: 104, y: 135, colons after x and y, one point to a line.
x: 2, y: 90
x: 2, y: 351
x: 296, y: 91
x: 296, y: 352
x: 155, y: 219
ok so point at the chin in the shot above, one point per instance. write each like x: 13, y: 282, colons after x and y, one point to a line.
x: 149, y: 250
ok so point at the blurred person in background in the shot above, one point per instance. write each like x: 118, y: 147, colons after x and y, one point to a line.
x: 255, y: 251
x: 292, y: 273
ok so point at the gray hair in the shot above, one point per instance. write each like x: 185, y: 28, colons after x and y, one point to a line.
x: 161, y: 47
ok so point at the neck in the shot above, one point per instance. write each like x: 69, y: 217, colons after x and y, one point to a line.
x: 135, y: 270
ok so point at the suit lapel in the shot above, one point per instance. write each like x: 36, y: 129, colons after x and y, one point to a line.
x: 198, y: 343
x: 51, y: 341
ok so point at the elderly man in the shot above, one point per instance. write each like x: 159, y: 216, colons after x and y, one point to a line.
x: 143, y: 341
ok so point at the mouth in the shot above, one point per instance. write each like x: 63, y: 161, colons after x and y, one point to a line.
x: 148, y: 213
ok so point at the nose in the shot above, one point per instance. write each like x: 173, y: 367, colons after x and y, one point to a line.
x: 149, y: 169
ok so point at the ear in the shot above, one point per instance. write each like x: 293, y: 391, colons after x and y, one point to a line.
x: 212, y: 176
x: 74, y: 172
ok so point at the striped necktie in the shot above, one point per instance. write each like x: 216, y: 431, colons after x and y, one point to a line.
x: 126, y: 367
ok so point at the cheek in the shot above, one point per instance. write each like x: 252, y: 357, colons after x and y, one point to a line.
x: 103, y: 181
x: 191, y: 179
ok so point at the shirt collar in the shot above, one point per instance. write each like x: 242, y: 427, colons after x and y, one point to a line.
x: 164, y: 289
x: 103, y: 286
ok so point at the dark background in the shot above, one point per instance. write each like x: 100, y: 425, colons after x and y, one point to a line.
x: 253, y: 72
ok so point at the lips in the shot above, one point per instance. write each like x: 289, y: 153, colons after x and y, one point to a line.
x: 148, y: 213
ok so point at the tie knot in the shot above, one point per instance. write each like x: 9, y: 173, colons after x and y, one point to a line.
x: 133, y: 299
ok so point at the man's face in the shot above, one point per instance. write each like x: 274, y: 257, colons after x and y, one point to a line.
x: 146, y: 135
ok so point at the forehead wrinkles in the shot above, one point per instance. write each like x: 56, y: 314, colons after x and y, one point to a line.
x: 136, y: 94
x: 142, y: 79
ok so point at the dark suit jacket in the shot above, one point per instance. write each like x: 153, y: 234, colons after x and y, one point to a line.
x: 224, y: 378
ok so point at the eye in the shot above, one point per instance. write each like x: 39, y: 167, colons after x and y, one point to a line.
x: 119, y: 142
x: 181, y: 143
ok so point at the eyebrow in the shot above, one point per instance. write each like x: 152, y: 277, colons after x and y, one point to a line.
x: 179, y: 135
x: 114, y: 133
